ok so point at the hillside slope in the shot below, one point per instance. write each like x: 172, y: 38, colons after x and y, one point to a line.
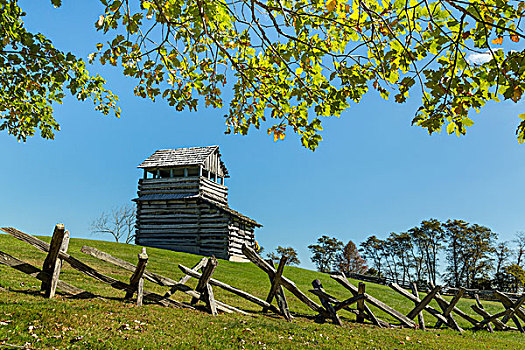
x: 111, y: 323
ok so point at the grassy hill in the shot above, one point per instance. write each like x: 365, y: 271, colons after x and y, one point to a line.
x: 111, y: 323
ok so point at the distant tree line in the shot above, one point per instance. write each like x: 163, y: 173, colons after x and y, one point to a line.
x: 473, y: 257
x: 462, y: 254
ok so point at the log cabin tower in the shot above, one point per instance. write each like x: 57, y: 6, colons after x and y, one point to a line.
x: 182, y: 205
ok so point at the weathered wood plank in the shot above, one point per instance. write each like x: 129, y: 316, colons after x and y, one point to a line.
x: 136, y: 281
x: 204, y: 288
x: 369, y: 315
x: 361, y: 303
x: 416, y: 300
x: 325, y: 300
x: 420, y: 317
x: 275, y: 282
x: 288, y: 284
x: 457, y: 311
x: 377, y: 303
x: 186, y: 277
x: 486, y: 315
x: 350, y: 301
x: 493, y: 318
x: 497, y: 323
x: 52, y: 264
x: 282, y: 303
x: 515, y: 306
x: 448, y: 310
x: 86, y: 269
x: 507, y: 302
x: 220, y: 305
x: 426, y: 300
x: 150, y: 276
x: 231, y: 289
x: 28, y: 269
x: 54, y: 279
x: 209, y: 298
x: 140, y: 292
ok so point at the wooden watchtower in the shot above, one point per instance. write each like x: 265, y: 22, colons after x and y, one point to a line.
x: 182, y: 205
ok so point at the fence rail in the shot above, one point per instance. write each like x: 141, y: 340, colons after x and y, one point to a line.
x: 485, y: 294
x: 329, y: 308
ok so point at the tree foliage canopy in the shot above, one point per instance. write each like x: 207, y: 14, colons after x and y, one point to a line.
x: 34, y: 75
x: 291, y: 253
x: 294, y: 62
x: 325, y: 253
x: 290, y: 62
x: 350, y: 261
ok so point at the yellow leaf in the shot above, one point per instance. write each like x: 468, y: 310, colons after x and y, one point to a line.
x: 331, y: 4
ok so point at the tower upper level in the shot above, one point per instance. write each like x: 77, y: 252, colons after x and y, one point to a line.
x: 185, y: 172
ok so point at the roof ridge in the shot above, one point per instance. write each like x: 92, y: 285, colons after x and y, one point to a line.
x: 184, y: 148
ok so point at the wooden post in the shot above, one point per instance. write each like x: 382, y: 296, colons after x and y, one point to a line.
x: 136, y: 281
x: 88, y: 270
x: 361, y: 303
x: 52, y: 264
x: 227, y: 287
x: 204, y: 286
x: 276, y: 290
x: 442, y: 303
x: 286, y: 283
x: 325, y: 301
x: 28, y: 269
x: 507, y: 302
x: 275, y: 281
x: 478, y: 302
x: 420, y: 317
x: 426, y: 300
x: 516, y: 306
x: 338, y: 305
x: 493, y: 318
x: 447, y: 309
x: 186, y: 277
x: 373, y: 301
x: 416, y: 301
x: 150, y: 276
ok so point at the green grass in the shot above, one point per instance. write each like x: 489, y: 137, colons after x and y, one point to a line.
x: 111, y: 323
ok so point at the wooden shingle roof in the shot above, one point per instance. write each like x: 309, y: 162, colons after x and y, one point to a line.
x: 181, y: 157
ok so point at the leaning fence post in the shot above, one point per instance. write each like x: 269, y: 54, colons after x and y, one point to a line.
x: 420, y: 317
x: 276, y: 290
x: 136, y: 282
x: 361, y: 303
x: 52, y: 264
x: 480, y: 306
x: 204, y: 286
x: 326, y: 304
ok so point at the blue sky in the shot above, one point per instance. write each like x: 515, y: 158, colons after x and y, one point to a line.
x: 372, y: 174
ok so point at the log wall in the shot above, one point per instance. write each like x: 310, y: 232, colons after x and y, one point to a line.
x: 193, y: 226
x: 191, y: 185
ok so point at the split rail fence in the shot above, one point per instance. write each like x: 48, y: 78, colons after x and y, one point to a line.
x: 328, y: 309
